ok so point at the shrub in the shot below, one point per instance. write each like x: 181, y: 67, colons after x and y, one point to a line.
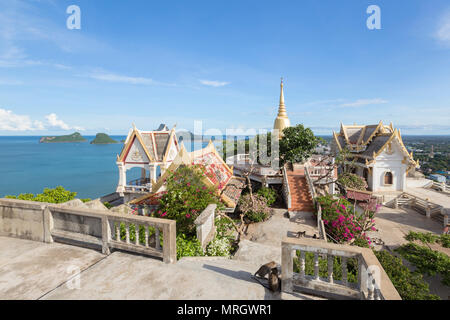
x: 427, y: 261
x: 219, y: 247
x: 56, y: 195
x: 188, y: 246
x: 186, y: 197
x: 269, y: 194
x: 443, y: 239
x: 256, y: 211
x: 410, y: 285
x: 224, y: 228
x: 343, y: 223
x: 107, y: 205
x: 353, y: 181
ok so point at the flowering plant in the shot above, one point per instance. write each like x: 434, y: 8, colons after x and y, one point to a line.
x: 186, y: 197
x: 343, y: 222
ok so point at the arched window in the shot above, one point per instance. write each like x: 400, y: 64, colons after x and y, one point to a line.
x: 388, y: 178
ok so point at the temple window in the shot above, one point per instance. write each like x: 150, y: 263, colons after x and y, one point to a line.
x: 388, y: 178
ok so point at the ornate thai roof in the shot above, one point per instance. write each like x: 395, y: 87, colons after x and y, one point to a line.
x: 366, y: 142
x: 155, y: 145
x: 217, y: 173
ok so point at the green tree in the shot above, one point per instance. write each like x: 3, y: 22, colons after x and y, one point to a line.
x: 56, y: 195
x: 297, y: 144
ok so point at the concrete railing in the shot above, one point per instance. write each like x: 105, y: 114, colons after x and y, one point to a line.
x: 286, y: 190
x: 205, y: 225
x: 313, y: 193
x: 48, y: 222
x: 372, y: 281
x: 423, y: 206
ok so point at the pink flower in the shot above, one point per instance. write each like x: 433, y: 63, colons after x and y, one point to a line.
x: 188, y: 216
x: 164, y: 214
x: 374, y: 229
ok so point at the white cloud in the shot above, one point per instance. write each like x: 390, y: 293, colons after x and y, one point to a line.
x: 364, y: 102
x: 10, y: 121
x: 443, y: 31
x: 55, y: 122
x: 212, y: 83
x: 111, y: 77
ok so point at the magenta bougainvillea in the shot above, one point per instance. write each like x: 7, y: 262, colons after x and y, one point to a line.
x: 344, y: 223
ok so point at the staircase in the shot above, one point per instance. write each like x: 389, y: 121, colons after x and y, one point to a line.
x: 301, y: 200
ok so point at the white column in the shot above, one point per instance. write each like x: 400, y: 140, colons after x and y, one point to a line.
x: 122, y: 177
x: 153, y: 173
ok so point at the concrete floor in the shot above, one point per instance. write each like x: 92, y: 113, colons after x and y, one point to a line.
x: 34, y: 270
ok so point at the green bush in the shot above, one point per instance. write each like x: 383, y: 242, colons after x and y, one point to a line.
x: 269, y: 194
x: 353, y: 181
x: 188, y: 247
x: 443, y: 239
x: 56, y: 195
x: 256, y: 210
x: 186, y: 197
x: 427, y: 261
x: 410, y: 285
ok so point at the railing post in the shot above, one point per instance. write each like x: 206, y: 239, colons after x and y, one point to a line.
x: 396, y: 203
x: 169, y: 242
x: 302, y: 264
x: 316, y: 266
x: 362, y: 277
x: 106, y: 235
x: 427, y: 209
x: 287, y: 271
x: 330, y: 268
x: 344, y: 271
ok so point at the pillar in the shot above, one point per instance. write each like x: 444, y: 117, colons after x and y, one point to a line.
x: 122, y: 177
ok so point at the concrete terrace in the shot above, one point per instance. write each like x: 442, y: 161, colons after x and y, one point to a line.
x: 34, y: 270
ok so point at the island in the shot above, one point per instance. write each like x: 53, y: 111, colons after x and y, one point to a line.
x: 74, y: 137
x: 103, y: 138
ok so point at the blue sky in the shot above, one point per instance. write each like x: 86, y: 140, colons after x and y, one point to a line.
x: 148, y: 62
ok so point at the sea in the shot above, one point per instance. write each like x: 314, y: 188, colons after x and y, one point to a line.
x: 27, y: 166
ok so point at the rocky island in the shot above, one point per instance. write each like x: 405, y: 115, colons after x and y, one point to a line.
x: 103, y: 138
x: 74, y: 137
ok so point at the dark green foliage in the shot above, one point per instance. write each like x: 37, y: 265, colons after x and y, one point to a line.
x: 443, y: 239
x: 186, y: 197
x: 56, y: 195
x: 107, y: 205
x: 427, y: 261
x: 297, y: 144
x: 410, y: 285
x: 353, y: 181
x: 269, y: 194
x: 188, y: 247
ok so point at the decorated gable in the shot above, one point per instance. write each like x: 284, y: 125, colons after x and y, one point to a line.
x: 217, y: 171
x: 136, y: 154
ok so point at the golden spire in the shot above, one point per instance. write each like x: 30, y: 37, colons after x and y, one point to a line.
x: 282, y: 120
x: 282, y: 107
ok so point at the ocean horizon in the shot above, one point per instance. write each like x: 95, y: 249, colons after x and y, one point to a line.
x: 90, y: 170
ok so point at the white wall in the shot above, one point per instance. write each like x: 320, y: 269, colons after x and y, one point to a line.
x: 390, y: 163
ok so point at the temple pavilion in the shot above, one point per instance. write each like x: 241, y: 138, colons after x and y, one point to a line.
x: 377, y: 153
x: 148, y: 150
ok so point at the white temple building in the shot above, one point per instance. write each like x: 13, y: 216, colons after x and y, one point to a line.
x: 148, y: 150
x: 378, y: 154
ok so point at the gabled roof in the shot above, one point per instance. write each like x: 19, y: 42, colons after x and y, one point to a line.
x: 218, y: 173
x: 156, y: 144
x: 367, y: 142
